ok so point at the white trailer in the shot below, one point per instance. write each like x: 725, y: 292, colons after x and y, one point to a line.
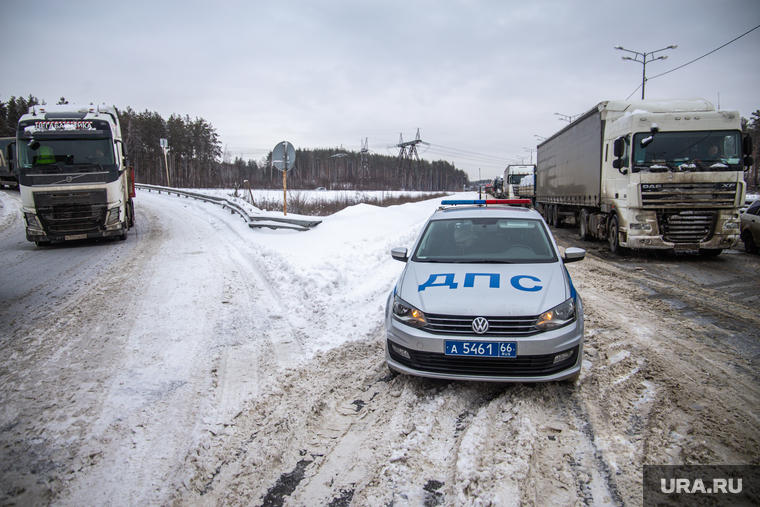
x: 665, y: 175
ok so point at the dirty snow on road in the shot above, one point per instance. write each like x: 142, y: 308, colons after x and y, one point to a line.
x: 205, y: 363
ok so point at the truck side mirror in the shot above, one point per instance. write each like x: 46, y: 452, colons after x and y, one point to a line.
x: 618, y: 148
x: 747, y: 146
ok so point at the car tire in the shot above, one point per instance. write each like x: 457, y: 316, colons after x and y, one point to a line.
x: 613, y: 236
x: 393, y: 372
x: 749, y: 243
x: 573, y: 379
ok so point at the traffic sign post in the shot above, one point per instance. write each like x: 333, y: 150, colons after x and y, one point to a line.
x: 284, y: 158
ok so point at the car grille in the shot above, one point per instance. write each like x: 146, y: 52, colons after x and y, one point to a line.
x: 497, y: 326
x: 687, y: 226
x: 520, y: 366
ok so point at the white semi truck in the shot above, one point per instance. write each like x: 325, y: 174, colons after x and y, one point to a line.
x: 513, y: 175
x: 74, y: 178
x: 664, y: 175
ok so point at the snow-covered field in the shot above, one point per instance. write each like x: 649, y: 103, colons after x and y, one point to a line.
x: 202, y: 362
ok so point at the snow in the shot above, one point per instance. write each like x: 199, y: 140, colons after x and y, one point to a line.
x: 241, y: 356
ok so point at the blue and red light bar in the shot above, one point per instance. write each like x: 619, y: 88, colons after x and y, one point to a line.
x: 512, y: 202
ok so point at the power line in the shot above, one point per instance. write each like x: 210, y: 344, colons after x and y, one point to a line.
x: 696, y: 59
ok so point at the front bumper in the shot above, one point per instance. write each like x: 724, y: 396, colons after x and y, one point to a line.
x: 534, y: 361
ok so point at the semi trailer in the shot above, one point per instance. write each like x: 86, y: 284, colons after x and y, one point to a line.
x: 74, y: 178
x: 662, y: 175
x: 7, y: 172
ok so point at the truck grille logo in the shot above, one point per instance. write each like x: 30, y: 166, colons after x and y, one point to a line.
x: 480, y: 325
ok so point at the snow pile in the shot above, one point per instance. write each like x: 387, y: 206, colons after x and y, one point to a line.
x: 334, y: 279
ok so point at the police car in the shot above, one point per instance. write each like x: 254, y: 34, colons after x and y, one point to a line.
x: 485, y: 296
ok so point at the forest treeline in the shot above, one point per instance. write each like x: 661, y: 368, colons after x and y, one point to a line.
x: 196, y: 158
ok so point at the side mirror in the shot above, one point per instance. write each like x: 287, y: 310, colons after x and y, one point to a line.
x: 747, y: 146
x: 34, y: 144
x: 574, y: 254
x: 618, y: 147
x: 749, y: 161
x: 400, y: 254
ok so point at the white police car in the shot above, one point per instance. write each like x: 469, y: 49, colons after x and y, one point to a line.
x: 485, y: 296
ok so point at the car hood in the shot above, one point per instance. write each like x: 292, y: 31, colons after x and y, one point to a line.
x: 485, y: 290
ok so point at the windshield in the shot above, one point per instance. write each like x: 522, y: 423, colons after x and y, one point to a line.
x: 687, y: 151
x: 55, y: 153
x: 485, y: 240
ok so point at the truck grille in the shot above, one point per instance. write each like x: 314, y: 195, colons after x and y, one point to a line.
x: 523, y: 366
x: 497, y: 326
x: 687, y: 226
x: 679, y: 195
x: 76, y: 212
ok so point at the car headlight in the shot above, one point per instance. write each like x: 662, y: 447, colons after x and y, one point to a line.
x: 407, y: 314
x: 558, y: 316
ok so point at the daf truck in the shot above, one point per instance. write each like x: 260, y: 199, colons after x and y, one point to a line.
x: 660, y: 175
x: 73, y: 173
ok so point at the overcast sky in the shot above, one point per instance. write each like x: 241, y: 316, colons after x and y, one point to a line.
x: 481, y: 80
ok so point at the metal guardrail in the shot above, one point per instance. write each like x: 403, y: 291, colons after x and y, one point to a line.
x: 254, y: 221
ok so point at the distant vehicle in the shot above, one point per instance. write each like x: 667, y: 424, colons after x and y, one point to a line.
x: 73, y: 174
x: 658, y: 175
x: 527, y: 188
x: 497, y: 187
x: 513, y: 175
x: 320, y: 189
x: 750, y: 227
x: 485, y: 296
x: 8, y: 176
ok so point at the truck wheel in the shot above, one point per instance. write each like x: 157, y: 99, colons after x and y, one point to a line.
x: 583, y: 234
x: 555, y: 216
x: 613, y: 236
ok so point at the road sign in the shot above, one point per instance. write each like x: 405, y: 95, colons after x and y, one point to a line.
x: 284, y: 156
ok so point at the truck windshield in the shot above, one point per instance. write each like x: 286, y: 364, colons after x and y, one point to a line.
x: 687, y: 151
x: 46, y: 152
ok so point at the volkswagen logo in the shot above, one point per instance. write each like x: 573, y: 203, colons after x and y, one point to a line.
x: 480, y: 325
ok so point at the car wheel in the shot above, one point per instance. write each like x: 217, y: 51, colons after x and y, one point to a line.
x: 749, y: 244
x: 583, y: 234
x: 613, y: 236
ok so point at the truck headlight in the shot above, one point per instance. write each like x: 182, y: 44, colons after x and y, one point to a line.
x: 731, y: 225
x: 32, y: 222
x: 558, y: 316
x: 639, y: 227
x: 407, y: 314
x: 113, y: 217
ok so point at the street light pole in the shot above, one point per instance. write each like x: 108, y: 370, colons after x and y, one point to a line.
x: 567, y: 117
x: 644, y: 61
x: 531, y: 150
